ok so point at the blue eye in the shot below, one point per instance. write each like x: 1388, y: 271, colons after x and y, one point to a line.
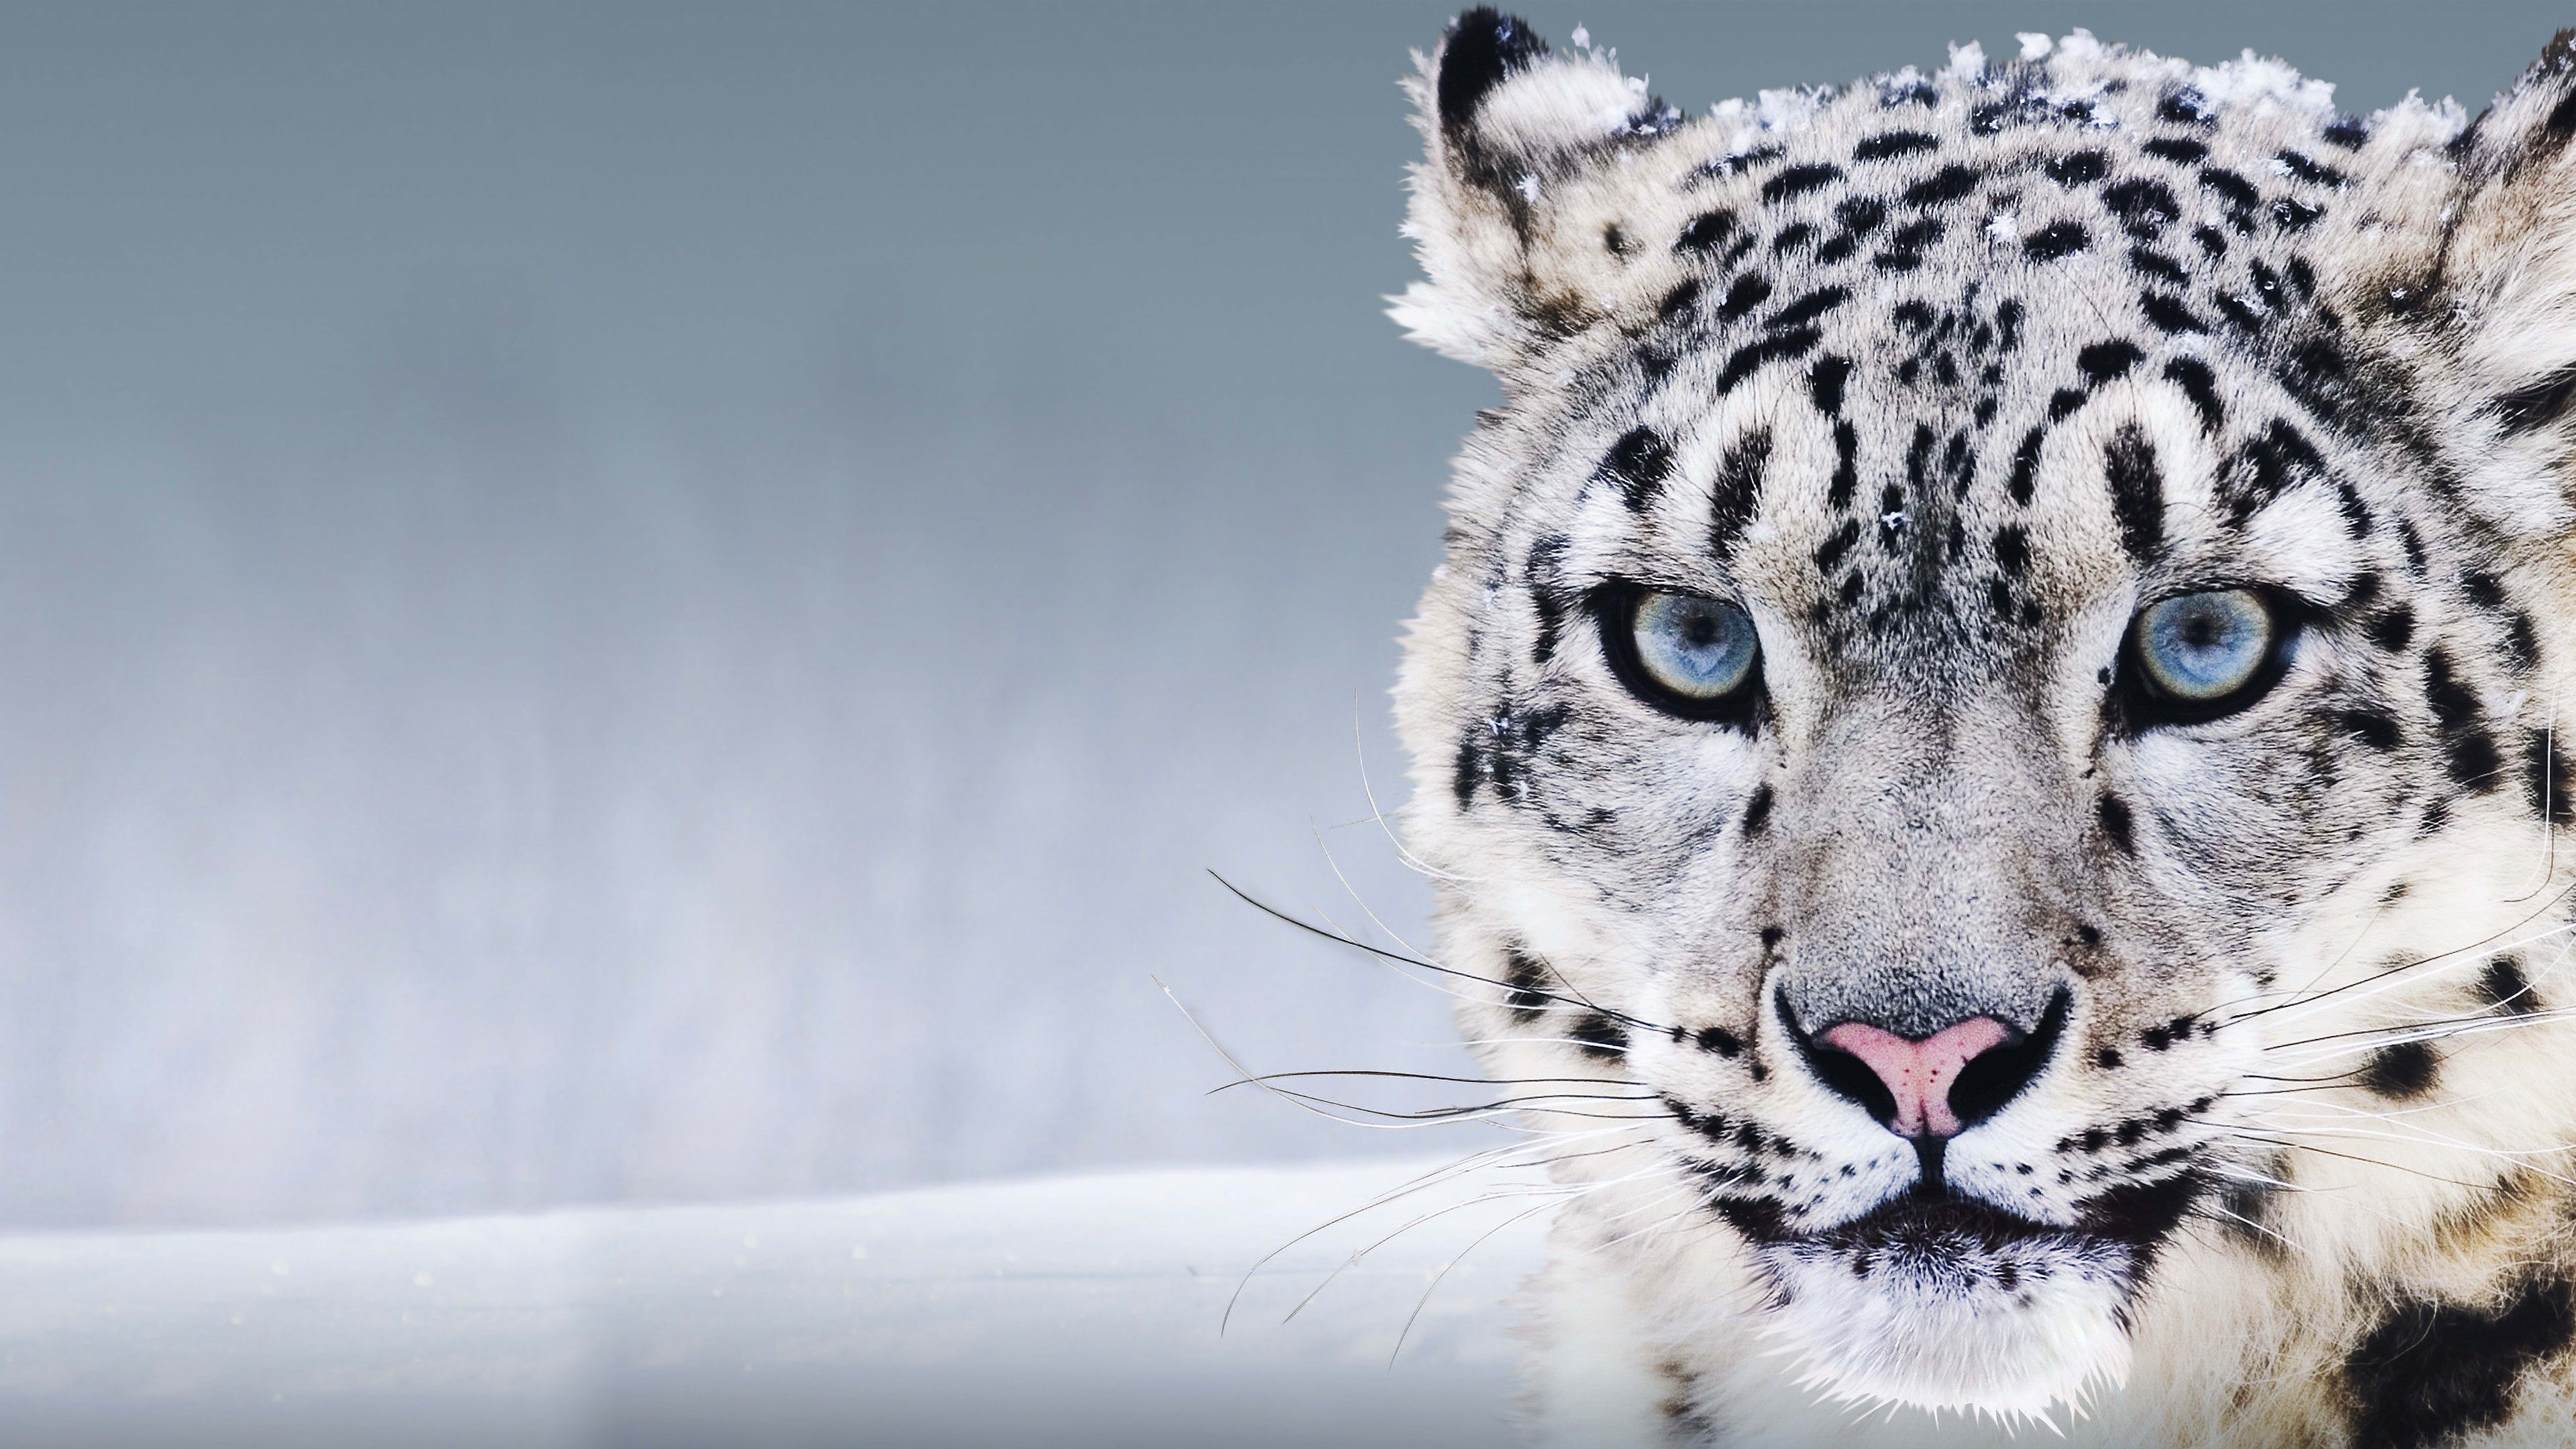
x: 2199, y: 651
x: 1694, y: 651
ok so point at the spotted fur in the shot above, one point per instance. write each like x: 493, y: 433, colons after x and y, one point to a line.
x: 1941, y: 376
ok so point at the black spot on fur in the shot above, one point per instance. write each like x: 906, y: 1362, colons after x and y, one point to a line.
x: 2025, y: 467
x: 1706, y: 232
x: 1527, y: 976
x: 1747, y: 293
x: 1545, y: 559
x: 1893, y: 143
x: 1598, y: 1037
x: 1799, y: 180
x: 2179, y: 150
x: 2368, y: 726
x: 2392, y: 629
x: 1718, y: 1040
x: 2547, y: 780
x: 1466, y: 772
x: 2317, y: 373
x: 1738, y: 488
x: 2168, y: 313
x: 1778, y: 346
x: 2104, y: 361
x: 2308, y: 169
x: 2145, y: 208
x: 1757, y: 811
x: 2012, y: 549
x: 2200, y: 385
x: 2235, y: 191
x: 2472, y: 759
x: 1830, y: 552
x: 2539, y: 404
x: 2454, y: 704
x: 2156, y: 264
x: 1680, y: 302
x: 2432, y: 1371
x: 1808, y: 308
x: 1792, y: 237
x: 1484, y: 49
x: 2469, y: 752
x: 1945, y: 185
x: 2060, y: 239
x: 2244, y: 318
x: 2291, y: 214
x: 2408, y: 1069
x: 2079, y: 168
x: 2137, y: 491
x: 1846, y: 465
x: 1860, y: 215
x: 2347, y: 132
x: 1639, y: 462
x: 2269, y: 464
x: 2185, y: 107
x: 1825, y: 383
x: 1905, y: 245
x: 2503, y: 985
x: 2117, y: 826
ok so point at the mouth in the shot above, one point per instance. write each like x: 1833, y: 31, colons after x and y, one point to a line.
x: 1941, y: 1236
x: 1945, y: 1301
x: 1957, y: 1243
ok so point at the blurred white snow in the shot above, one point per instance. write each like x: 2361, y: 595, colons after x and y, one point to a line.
x: 1070, y: 1311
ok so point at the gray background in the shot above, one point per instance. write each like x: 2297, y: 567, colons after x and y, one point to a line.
x: 606, y: 602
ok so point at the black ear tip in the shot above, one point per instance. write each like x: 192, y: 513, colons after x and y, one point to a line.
x: 1484, y: 48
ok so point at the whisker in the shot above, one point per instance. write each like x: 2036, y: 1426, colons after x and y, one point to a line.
x: 2381, y: 978
x: 1359, y: 748
x: 1418, y: 1077
x: 2329, y: 1152
x: 1436, y: 1278
x: 1415, y: 961
x: 1473, y: 1161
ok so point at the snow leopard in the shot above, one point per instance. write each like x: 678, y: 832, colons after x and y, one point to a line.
x: 1985, y: 739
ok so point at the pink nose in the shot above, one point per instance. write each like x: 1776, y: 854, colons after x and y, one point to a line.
x: 1919, y: 1073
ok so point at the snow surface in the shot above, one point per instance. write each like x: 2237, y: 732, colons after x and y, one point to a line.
x: 1075, y: 1311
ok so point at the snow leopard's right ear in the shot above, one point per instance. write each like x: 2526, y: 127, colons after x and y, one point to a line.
x: 1510, y: 129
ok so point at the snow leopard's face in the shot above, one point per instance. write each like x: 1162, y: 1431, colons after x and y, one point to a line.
x: 1996, y: 664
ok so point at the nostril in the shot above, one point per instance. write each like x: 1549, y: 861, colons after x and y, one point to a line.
x: 1994, y: 1077
x: 1847, y: 1076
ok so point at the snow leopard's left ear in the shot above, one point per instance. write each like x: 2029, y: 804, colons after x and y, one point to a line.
x: 1511, y: 128
x: 2499, y: 308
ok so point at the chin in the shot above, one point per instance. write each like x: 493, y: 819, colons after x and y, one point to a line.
x: 1951, y: 1304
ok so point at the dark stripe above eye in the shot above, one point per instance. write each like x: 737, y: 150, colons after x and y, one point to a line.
x: 1638, y: 463
x: 1738, y: 489
x: 2137, y: 491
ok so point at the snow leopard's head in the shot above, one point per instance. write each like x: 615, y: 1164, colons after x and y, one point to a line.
x: 1988, y: 710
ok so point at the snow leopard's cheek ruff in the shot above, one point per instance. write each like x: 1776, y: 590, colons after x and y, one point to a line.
x: 1989, y: 597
